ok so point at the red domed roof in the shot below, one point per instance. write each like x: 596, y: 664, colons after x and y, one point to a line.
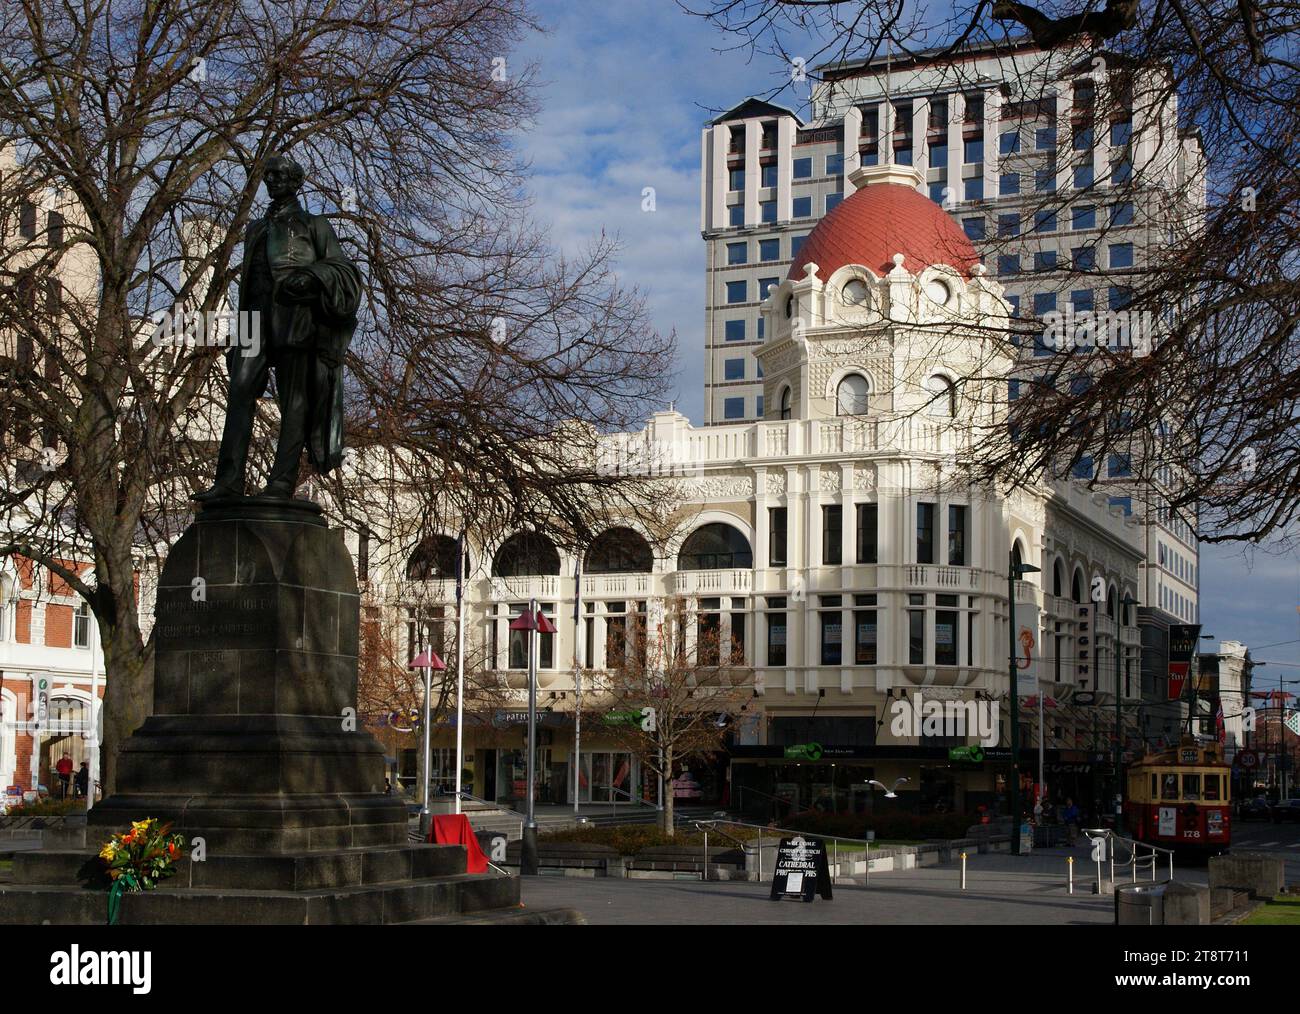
x: 878, y: 221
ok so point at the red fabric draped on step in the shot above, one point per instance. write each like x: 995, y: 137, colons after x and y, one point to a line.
x: 454, y: 829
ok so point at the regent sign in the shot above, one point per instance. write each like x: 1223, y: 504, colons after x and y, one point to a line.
x: 913, y: 718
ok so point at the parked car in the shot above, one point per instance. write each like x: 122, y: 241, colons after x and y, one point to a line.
x: 1254, y: 809
x: 1287, y: 809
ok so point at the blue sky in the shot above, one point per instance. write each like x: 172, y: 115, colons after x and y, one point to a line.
x: 627, y: 86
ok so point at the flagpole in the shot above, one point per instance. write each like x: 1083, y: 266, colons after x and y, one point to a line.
x: 424, y: 796
x: 577, y: 681
x: 528, y: 847
x: 1042, y: 734
x: 460, y: 663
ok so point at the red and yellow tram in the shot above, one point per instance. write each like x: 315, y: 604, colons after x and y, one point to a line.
x: 1181, y: 798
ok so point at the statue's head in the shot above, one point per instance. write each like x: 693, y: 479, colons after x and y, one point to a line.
x: 283, y: 177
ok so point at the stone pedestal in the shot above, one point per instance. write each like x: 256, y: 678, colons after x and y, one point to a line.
x: 254, y: 743
x: 255, y: 747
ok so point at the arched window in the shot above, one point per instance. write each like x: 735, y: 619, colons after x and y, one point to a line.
x: 786, y: 398
x: 1017, y: 558
x: 526, y: 554
x: 1058, y: 579
x: 434, y: 559
x: 851, y: 395
x: 1076, y: 587
x: 1111, y: 602
x: 943, y: 397
x: 715, y: 547
x: 619, y: 551
x: 1126, y: 610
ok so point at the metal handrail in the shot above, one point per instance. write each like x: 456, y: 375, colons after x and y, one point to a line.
x: 1134, y: 860
x: 487, y: 802
x: 758, y: 849
x: 613, y: 803
x: 740, y: 799
x: 784, y: 830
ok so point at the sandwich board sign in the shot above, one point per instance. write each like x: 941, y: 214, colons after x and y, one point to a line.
x: 802, y: 870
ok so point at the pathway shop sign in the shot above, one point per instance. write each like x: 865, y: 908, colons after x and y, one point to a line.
x: 914, y: 717
x: 802, y: 870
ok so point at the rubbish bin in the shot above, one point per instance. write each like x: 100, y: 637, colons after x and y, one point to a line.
x: 1139, y: 904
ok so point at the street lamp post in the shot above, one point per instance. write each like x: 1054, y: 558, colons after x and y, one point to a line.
x: 532, y: 622
x: 1127, y: 601
x: 1015, y: 570
x: 427, y: 660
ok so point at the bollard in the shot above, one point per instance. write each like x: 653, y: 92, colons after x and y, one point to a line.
x: 705, y: 875
x: 963, y: 871
x: 1070, y: 871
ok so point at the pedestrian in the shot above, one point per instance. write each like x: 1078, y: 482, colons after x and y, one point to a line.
x: 82, y: 781
x: 1070, y: 817
x: 64, y: 770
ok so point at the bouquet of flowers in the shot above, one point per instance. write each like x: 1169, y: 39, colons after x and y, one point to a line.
x: 139, y: 858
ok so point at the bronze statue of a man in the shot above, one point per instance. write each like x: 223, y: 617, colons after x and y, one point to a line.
x: 306, y: 292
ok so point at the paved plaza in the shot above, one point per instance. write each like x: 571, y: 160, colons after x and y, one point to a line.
x: 1000, y: 889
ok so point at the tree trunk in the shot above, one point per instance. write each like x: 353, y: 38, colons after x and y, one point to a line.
x: 128, y: 692
x: 666, y: 818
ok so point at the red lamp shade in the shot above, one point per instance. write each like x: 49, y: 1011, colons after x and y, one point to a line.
x: 427, y: 659
x: 525, y: 621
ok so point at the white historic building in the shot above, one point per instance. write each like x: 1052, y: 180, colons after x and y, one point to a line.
x: 837, y: 539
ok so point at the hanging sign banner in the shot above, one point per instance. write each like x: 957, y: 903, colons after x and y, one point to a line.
x: 1027, y: 649
x: 1183, y: 638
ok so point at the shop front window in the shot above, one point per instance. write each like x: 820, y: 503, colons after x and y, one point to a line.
x: 605, y: 777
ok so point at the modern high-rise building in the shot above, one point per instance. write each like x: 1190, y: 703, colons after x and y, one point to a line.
x: 1067, y: 169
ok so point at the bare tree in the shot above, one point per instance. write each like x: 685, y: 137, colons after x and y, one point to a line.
x: 144, y: 125
x: 674, y: 694
x: 390, y: 694
x: 1206, y: 419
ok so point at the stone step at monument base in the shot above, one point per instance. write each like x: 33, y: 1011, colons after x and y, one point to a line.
x: 338, y: 868
x: 370, y: 904
x: 510, y: 917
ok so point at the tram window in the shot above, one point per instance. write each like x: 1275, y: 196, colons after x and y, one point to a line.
x: 1155, y: 788
x: 1212, y: 786
x: 1191, y: 786
x: 1169, y: 787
